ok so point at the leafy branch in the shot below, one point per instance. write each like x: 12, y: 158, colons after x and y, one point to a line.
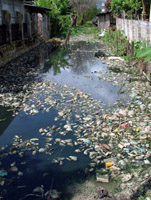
x: 145, y: 52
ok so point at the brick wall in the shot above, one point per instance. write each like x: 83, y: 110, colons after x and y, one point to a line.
x: 135, y: 30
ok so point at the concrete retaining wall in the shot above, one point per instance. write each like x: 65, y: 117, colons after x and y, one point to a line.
x: 135, y: 30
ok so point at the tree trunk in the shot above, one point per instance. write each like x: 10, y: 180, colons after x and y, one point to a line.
x: 150, y: 14
x: 144, y: 9
x: 68, y: 37
x: 73, y: 23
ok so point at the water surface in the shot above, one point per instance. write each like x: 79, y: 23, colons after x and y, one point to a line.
x: 77, y: 68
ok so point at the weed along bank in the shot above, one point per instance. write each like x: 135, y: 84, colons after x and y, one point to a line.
x: 19, y: 27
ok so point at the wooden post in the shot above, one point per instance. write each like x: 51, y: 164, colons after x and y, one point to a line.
x: 45, y: 27
x: 128, y: 47
x: 6, y: 20
x: 132, y: 49
x: 150, y: 13
x: 117, y: 43
x: 29, y: 24
x: 35, y: 23
x: 20, y: 22
x: 49, y: 25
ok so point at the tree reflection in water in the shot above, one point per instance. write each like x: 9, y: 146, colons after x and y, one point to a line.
x: 58, y: 59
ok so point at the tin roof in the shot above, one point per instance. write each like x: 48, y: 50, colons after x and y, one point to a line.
x: 36, y: 9
x: 103, y: 13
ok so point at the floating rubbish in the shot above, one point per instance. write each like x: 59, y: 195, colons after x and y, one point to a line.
x: 85, y: 140
x: 126, y: 177
x: 133, y: 95
x: 54, y: 127
x: 68, y: 127
x: 3, y: 173
x: 53, y: 194
x: 92, y: 154
x: 41, y: 150
x: 108, y: 164
x: 61, y: 114
x: 122, y: 112
x: 124, y: 126
x: 104, y: 146
x: 142, y: 150
x: 38, y: 190
x: 20, y: 174
x: 2, y: 120
x: 121, y: 163
x: 14, y: 169
x: 146, y: 162
x: 73, y: 158
x: 102, y: 178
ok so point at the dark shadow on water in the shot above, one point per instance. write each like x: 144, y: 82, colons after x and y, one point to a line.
x: 19, y: 74
x: 17, y: 187
x: 5, y: 118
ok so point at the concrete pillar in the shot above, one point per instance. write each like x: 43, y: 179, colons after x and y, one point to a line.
x: 6, y: 20
x: 29, y: 24
x: 20, y: 22
x: 49, y: 25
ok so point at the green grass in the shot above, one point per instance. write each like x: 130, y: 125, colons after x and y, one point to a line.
x: 84, y: 29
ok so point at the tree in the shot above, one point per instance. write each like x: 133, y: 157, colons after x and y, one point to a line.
x: 144, y: 5
x: 59, y: 13
x: 79, y: 7
x: 108, y: 4
x: 130, y: 7
x: 150, y: 13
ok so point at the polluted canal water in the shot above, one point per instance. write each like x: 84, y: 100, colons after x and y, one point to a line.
x: 49, y: 134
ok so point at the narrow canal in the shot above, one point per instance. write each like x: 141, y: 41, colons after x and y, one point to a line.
x: 52, y: 140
